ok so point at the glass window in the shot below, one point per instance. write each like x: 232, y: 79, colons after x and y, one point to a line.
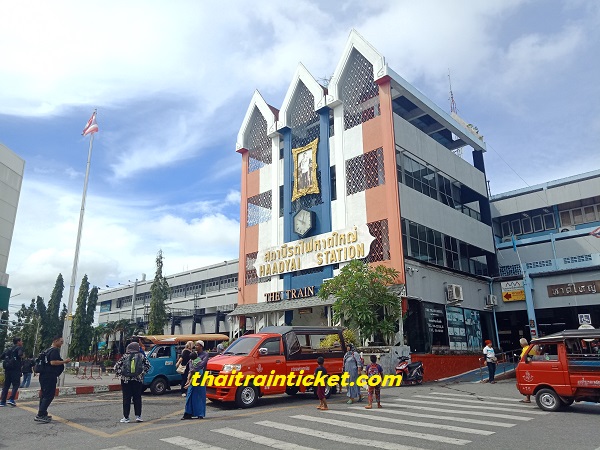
x: 589, y: 214
x: 333, y: 183
x: 273, y: 346
x: 577, y: 216
x: 506, y: 228
x: 538, y: 224
x: 549, y: 221
x: 565, y: 218
x: 526, y: 223
x: 516, y: 226
x: 545, y: 352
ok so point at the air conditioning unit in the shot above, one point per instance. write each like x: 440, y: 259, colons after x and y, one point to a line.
x: 455, y: 293
x: 506, y: 239
x: 567, y: 228
x: 490, y: 301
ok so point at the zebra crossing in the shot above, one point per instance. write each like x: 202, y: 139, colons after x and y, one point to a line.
x: 438, y: 419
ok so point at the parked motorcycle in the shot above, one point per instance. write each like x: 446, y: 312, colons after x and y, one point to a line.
x: 412, y: 373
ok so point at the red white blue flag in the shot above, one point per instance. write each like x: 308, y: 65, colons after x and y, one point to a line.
x: 91, y: 126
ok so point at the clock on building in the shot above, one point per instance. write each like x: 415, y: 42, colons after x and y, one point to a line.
x: 303, y: 222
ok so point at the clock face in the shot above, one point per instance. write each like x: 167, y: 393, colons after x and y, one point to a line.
x: 303, y: 222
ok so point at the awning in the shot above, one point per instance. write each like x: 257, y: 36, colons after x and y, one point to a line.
x: 283, y: 305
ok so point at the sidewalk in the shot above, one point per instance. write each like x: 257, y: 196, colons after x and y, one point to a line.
x: 503, y: 371
x: 74, y: 386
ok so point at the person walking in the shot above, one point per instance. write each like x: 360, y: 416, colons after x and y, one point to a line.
x: 195, y: 401
x: 51, y: 370
x: 27, y: 371
x: 524, y: 346
x: 321, y: 389
x: 131, y: 368
x: 183, y: 360
x: 353, y: 366
x: 11, y: 361
x: 490, y: 359
x: 373, y: 370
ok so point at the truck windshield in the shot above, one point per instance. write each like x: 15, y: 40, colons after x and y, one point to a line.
x: 242, y: 346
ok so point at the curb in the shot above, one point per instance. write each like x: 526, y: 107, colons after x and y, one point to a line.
x: 28, y: 394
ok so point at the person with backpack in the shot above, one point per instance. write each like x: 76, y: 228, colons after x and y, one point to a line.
x: 131, y: 368
x: 11, y: 362
x: 374, y: 370
x: 49, y: 365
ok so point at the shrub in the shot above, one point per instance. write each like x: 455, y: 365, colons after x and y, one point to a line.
x: 349, y: 338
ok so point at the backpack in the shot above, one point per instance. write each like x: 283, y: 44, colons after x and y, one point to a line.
x: 133, y: 365
x: 9, y: 362
x: 373, y: 369
x: 42, y: 365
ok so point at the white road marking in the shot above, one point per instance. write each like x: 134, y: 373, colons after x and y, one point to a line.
x: 454, y: 405
x: 431, y: 416
x: 120, y: 447
x: 472, y: 400
x: 508, y: 399
x: 348, y: 440
x: 464, y: 413
x: 262, y: 440
x: 413, y: 423
x: 369, y: 428
x: 189, y: 444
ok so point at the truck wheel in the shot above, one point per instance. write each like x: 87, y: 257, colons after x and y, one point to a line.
x: 291, y: 390
x: 246, y: 396
x: 158, y: 386
x: 548, y: 400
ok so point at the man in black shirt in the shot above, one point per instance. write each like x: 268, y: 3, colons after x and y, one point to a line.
x: 12, y: 373
x: 48, y: 378
x: 27, y: 371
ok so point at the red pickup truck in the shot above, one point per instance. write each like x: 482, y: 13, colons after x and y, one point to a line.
x: 275, y: 351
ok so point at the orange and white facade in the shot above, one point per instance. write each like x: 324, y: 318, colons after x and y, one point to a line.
x: 323, y: 183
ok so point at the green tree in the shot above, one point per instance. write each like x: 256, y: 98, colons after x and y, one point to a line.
x: 61, y: 319
x: 52, y: 326
x: 91, y: 310
x: 363, y: 300
x: 160, y: 291
x: 80, y: 341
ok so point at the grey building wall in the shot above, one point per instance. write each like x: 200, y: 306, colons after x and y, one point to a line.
x: 12, y: 168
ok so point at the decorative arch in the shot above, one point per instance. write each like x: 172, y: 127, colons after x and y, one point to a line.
x: 302, y: 78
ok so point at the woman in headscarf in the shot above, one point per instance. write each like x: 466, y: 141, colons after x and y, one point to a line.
x: 195, y: 402
x: 353, y: 366
x: 183, y: 360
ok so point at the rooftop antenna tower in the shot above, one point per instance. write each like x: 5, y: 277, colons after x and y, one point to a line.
x: 453, y: 111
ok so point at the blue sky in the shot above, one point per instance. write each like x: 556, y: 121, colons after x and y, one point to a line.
x: 172, y: 82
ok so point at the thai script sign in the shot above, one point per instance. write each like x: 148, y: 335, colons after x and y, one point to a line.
x: 318, y: 251
x: 513, y: 291
x: 585, y: 287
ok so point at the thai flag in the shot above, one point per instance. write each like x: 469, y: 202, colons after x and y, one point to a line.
x: 91, y: 126
x: 514, y: 242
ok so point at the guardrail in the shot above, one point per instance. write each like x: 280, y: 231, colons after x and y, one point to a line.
x: 506, y: 361
x: 87, y: 372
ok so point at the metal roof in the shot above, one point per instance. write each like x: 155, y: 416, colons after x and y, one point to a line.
x: 579, y: 334
x: 284, y: 305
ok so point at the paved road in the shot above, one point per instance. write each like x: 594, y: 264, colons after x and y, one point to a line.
x: 433, y: 416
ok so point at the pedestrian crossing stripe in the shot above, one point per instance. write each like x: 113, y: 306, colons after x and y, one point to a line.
x: 473, y: 400
x: 432, y: 416
x: 456, y: 405
x: 327, y: 435
x: 438, y: 426
x: 506, y: 399
x: 369, y: 428
x: 262, y: 440
x: 189, y: 444
x: 420, y: 407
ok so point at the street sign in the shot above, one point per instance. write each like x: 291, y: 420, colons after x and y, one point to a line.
x: 596, y: 232
x: 513, y: 291
x: 585, y: 319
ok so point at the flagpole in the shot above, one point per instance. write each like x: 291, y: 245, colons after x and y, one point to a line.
x: 64, y: 351
x: 533, y: 329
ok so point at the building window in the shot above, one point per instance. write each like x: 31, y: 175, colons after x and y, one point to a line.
x: 333, y: 181
x: 549, y: 222
x: 281, y: 201
x: 538, y: 224
x: 419, y: 177
x: 506, y: 228
x: 526, y: 224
